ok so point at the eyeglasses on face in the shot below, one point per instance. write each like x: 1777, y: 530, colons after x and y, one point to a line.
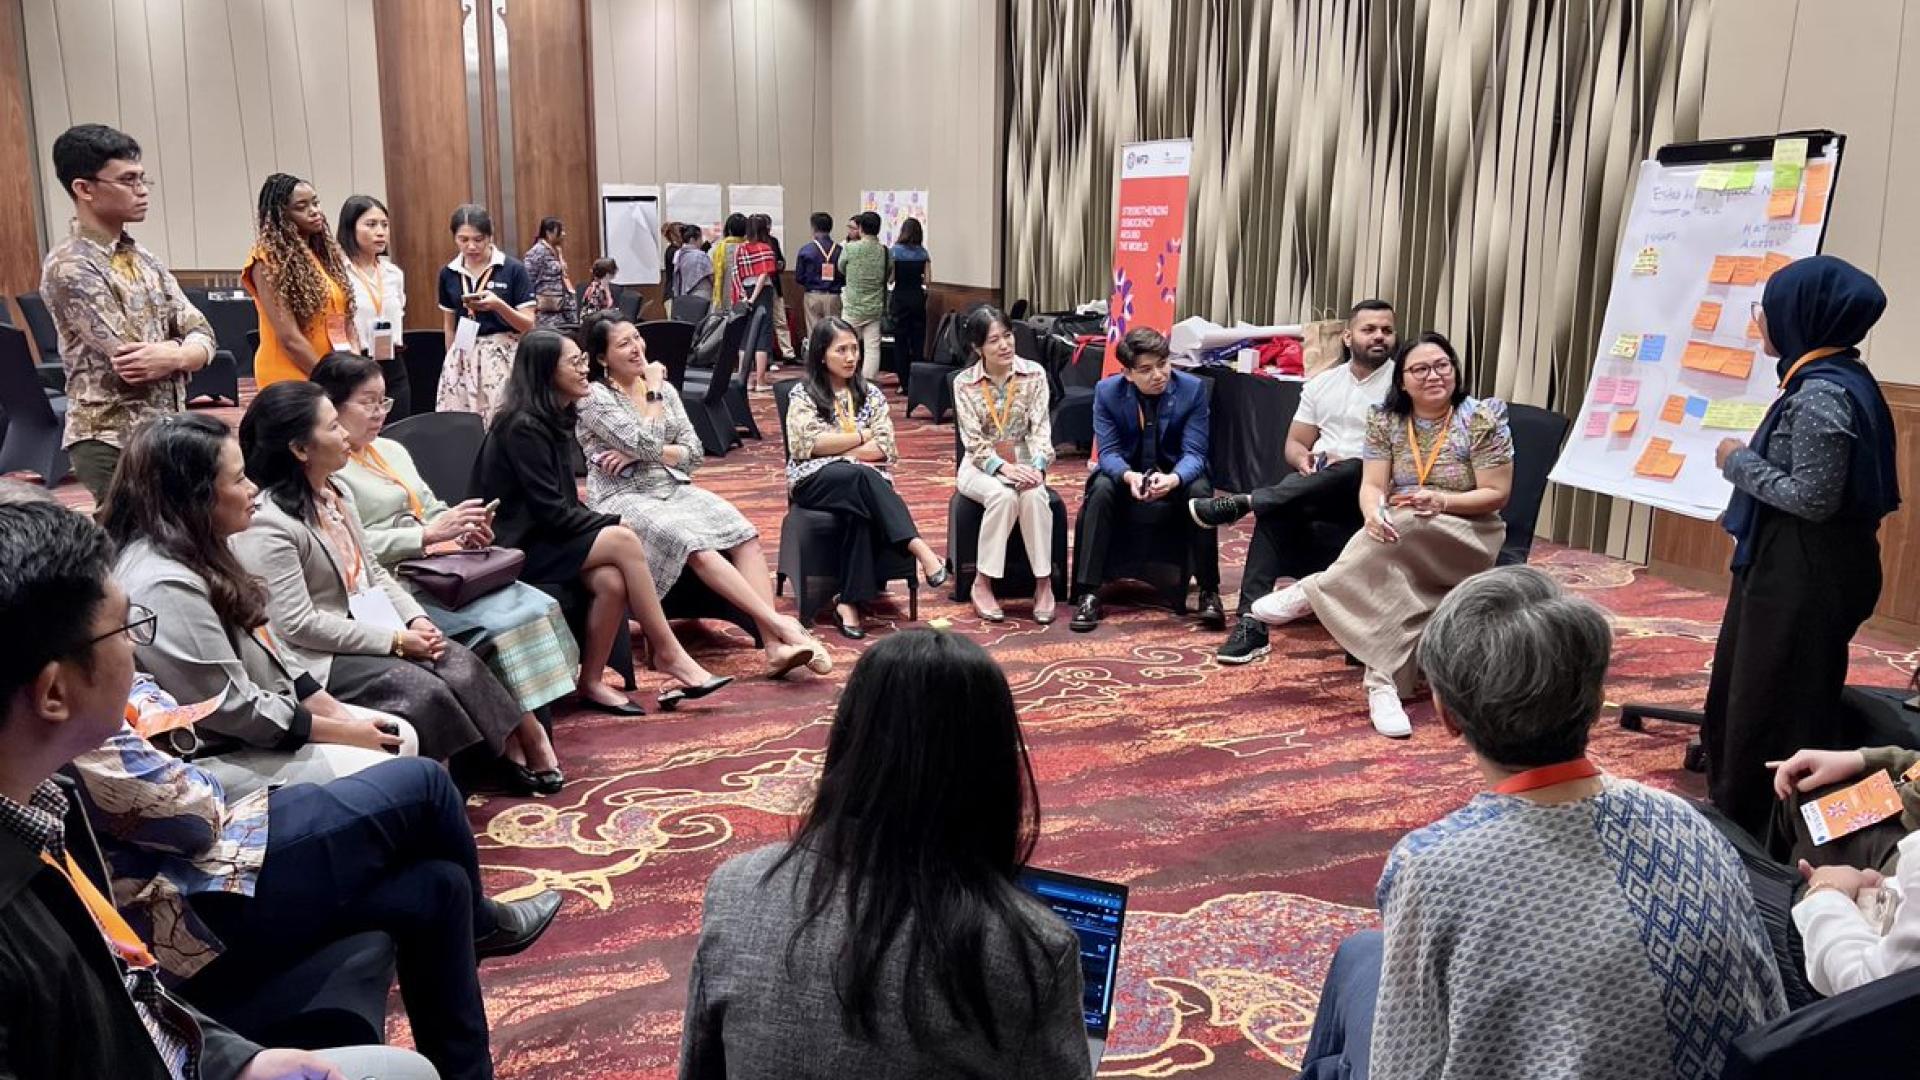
x: 142, y: 182
x: 1442, y: 368
x: 377, y: 408
x: 577, y: 363
x: 139, y: 627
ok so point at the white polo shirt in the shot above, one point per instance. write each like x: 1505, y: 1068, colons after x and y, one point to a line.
x: 1337, y: 403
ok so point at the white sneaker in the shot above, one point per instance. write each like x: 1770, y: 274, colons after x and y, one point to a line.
x: 1389, y: 719
x: 1282, y: 606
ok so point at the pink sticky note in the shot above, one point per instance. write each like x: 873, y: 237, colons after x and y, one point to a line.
x: 1596, y: 425
x: 1604, y: 388
x: 1626, y: 392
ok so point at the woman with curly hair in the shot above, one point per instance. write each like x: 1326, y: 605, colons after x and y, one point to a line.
x: 298, y: 279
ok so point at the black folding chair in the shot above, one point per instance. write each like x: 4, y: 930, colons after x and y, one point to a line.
x: 669, y: 344
x: 425, y: 353
x: 46, y: 340
x: 444, y: 446
x: 706, y: 395
x: 36, y: 417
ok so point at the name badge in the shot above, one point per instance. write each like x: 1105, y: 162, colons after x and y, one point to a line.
x: 375, y: 607
x: 382, y: 342
x: 826, y: 270
x: 466, y: 334
x: 337, y: 335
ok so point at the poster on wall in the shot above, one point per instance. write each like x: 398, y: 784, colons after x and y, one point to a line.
x: 895, y: 207
x: 630, y: 231
x: 1680, y: 365
x: 768, y: 199
x: 1150, y: 225
x: 695, y: 204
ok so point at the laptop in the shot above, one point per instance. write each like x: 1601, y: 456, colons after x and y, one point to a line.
x: 1097, y: 911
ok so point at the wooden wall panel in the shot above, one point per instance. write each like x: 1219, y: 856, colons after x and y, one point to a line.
x: 19, y: 218
x: 423, y: 108
x: 549, y: 54
x: 1696, y: 552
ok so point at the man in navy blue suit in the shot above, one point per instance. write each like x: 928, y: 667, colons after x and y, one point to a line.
x: 1150, y: 422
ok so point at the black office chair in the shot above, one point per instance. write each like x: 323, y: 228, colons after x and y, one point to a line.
x: 1019, y: 310
x: 737, y: 404
x: 1845, y: 1034
x: 36, y: 417
x: 668, y: 344
x: 930, y: 382
x: 46, y: 340
x: 810, y: 543
x: 628, y: 301
x: 690, y: 307
x: 230, y: 319
x: 218, y: 380
x: 705, y: 394
x: 964, y: 517
x: 444, y: 446
x: 425, y: 353
x: 1079, y: 373
x: 1538, y: 435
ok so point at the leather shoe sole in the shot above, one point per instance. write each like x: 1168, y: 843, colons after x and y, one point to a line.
x: 519, y: 925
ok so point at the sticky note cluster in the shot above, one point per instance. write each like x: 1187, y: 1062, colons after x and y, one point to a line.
x: 1735, y: 270
x: 1789, y: 162
x: 1717, y: 359
x: 1658, y: 460
x: 1732, y: 415
x: 1819, y: 183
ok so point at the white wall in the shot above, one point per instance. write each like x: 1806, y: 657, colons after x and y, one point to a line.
x: 1775, y: 65
x: 918, y: 105
x: 220, y: 94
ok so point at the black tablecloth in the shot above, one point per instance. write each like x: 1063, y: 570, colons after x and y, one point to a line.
x: 1251, y: 414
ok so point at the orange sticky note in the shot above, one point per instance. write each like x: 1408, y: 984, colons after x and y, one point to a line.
x: 1819, y: 181
x: 1722, y: 270
x: 1780, y: 203
x: 1773, y: 264
x: 1746, y: 270
x: 1675, y: 409
x: 1736, y: 362
x: 1668, y: 466
x: 1625, y: 422
x: 1706, y: 316
x: 1700, y: 356
x: 1753, y: 328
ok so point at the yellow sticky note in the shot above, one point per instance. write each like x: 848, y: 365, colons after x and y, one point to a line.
x: 1733, y: 415
x: 1625, y: 422
x: 1714, y: 177
x: 1626, y: 346
x: 1789, y: 158
x: 1647, y: 262
x: 1819, y: 181
x: 1742, y: 176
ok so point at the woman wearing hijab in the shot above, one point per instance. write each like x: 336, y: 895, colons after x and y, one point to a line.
x: 1809, y: 493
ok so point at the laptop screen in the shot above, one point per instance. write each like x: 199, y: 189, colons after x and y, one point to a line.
x: 1097, y: 912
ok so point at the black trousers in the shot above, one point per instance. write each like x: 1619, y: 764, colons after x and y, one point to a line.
x: 1781, y: 660
x: 387, y: 849
x: 1286, y: 542
x: 1099, y: 511
x: 909, y: 331
x: 875, y: 517
x: 399, y: 387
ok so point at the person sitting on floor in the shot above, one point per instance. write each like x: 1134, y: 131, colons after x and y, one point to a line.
x: 82, y: 989
x: 334, y: 612
x: 889, y: 940
x: 1564, y: 923
x: 234, y: 891
x: 1006, y: 439
x: 642, y: 452
x: 1325, y: 444
x: 1439, y: 466
x: 840, y: 446
x: 1152, y: 426
x: 180, y: 495
x: 517, y: 630
x: 526, y: 463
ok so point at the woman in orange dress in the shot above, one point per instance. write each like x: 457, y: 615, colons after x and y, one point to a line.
x: 297, y: 277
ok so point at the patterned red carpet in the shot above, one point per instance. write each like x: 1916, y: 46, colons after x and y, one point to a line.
x: 1249, y: 809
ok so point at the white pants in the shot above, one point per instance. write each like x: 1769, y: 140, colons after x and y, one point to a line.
x: 869, y: 332
x: 242, y: 772
x: 1030, y: 510
x: 379, y: 1063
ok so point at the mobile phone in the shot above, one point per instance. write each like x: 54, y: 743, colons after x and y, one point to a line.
x: 388, y: 727
x: 1319, y: 461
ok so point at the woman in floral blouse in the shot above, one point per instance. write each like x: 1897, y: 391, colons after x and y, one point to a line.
x: 839, y: 448
x: 1438, y: 470
x: 553, y: 299
x: 1007, y: 440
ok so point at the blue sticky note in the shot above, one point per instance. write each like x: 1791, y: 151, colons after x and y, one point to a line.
x: 1652, y: 347
x: 1696, y: 406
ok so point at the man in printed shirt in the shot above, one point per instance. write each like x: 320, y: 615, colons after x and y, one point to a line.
x: 82, y: 991
x: 128, y: 337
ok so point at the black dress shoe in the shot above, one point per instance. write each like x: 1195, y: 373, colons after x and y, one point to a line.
x: 1086, y: 614
x: 850, y: 631
x: 1218, y: 510
x: 1212, y: 614
x: 938, y: 577
x: 549, y: 781
x: 625, y: 708
x: 516, y: 925
x: 671, y: 698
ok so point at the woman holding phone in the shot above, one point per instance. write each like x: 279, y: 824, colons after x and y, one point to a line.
x: 487, y: 298
x: 518, y: 631
x: 379, y: 293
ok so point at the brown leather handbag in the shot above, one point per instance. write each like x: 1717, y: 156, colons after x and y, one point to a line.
x: 458, y: 578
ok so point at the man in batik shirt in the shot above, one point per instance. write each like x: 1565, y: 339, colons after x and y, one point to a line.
x: 128, y: 337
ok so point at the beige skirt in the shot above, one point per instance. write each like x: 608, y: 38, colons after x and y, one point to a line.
x: 1376, y: 598
x: 475, y: 381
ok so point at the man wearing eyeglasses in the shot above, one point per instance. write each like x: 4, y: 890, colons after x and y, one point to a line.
x: 129, y: 339
x: 82, y: 989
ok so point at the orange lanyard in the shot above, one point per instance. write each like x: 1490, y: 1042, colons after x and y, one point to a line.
x: 1424, y: 467
x: 1820, y: 353
x: 1547, y: 776
x: 1004, y: 413
x: 120, y: 937
x: 479, y: 284
x: 372, y: 459
x: 373, y: 286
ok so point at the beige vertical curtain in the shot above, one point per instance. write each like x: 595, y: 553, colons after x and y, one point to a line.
x: 1469, y: 160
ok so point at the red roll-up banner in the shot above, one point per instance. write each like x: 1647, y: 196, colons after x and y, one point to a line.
x: 1150, y: 225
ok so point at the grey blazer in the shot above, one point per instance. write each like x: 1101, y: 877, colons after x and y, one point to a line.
x: 750, y: 1015
x: 307, y: 590
x: 196, y: 657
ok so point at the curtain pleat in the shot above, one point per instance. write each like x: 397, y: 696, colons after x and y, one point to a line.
x: 1469, y: 160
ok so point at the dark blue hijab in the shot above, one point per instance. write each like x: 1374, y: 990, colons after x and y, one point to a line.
x: 1824, y: 302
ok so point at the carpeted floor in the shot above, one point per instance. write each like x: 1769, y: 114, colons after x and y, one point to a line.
x: 1248, y: 809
